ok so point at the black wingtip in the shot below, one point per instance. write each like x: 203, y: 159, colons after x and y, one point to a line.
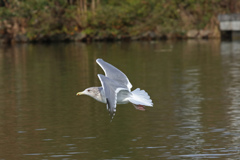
x: 110, y: 110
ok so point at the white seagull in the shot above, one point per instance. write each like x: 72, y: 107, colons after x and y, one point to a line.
x: 116, y: 89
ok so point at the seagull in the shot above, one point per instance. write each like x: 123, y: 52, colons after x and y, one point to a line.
x: 116, y: 89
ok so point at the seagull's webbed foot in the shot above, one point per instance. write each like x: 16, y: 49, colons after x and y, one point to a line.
x: 139, y: 107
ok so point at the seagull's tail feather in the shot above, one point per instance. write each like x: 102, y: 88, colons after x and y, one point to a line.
x: 140, y: 97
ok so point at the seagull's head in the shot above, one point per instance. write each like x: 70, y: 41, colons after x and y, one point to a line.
x: 88, y: 91
x: 92, y: 92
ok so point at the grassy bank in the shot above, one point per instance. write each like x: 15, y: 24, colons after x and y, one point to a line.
x: 87, y: 20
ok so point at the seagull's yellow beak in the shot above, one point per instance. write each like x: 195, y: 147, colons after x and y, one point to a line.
x: 79, y: 93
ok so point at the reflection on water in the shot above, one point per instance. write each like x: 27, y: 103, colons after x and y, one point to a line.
x: 231, y: 54
x: 194, y: 85
x: 189, y: 112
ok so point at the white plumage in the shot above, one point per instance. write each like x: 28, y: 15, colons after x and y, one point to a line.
x: 140, y: 97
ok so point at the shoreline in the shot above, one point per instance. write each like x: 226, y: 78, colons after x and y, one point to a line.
x: 82, y: 37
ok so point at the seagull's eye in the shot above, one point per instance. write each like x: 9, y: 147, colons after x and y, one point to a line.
x: 88, y: 90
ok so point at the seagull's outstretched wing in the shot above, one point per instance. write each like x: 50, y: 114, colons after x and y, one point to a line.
x: 114, y: 73
x: 111, y: 89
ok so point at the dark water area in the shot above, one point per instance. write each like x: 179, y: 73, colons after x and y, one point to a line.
x: 194, y: 85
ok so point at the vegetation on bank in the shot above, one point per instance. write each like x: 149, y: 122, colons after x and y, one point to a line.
x: 84, y: 20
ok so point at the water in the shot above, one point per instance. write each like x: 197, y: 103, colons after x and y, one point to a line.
x: 194, y: 85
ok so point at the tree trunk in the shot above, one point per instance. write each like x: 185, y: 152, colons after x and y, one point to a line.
x: 93, y: 7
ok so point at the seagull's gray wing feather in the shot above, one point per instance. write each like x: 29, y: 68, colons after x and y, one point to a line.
x: 114, y: 73
x: 111, y: 89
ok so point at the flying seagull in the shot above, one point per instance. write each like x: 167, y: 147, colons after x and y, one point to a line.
x: 116, y: 89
